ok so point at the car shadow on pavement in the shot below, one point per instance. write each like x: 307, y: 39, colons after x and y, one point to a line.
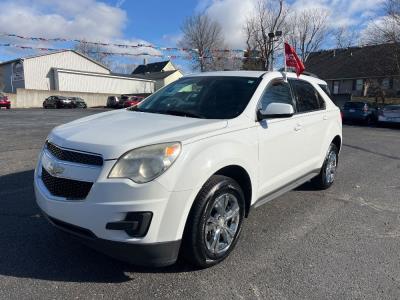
x: 31, y: 248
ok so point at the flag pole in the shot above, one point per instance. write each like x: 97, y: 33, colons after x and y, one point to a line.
x: 284, y: 58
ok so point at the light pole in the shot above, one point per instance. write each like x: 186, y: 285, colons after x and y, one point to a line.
x: 272, y: 35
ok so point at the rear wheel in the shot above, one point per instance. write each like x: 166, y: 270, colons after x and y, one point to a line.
x: 214, y: 222
x: 327, y: 175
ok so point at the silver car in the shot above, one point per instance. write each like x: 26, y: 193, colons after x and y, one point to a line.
x: 390, y: 114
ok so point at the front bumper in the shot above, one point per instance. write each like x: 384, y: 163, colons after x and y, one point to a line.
x: 110, y: 200
x: 155, y: 254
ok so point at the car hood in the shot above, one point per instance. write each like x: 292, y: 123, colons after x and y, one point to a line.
x: 113, y: 133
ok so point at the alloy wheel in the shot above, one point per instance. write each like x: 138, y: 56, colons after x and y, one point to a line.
x: 222, y: 224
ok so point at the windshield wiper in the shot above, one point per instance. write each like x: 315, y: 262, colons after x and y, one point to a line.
x: 169, y: 112
x: 181, y: 113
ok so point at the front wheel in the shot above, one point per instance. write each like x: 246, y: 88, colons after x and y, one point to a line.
x: 327, y: 175
x: 214, y: 222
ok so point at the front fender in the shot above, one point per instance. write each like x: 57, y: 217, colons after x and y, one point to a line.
x: 201, y: 159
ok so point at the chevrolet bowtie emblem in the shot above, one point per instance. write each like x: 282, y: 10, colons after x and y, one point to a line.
x: 55, y: 169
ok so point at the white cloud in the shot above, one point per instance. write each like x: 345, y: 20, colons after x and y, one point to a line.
x: 231, y: 14
x: 86, y: 19
x: 350, y: 13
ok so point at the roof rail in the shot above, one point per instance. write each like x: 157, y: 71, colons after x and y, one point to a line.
x: 304, y: 73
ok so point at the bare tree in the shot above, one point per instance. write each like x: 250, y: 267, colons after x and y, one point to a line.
x: 387, y: 28
x: 344, y: 37
x: 308, y: 30
x: 94, y: 51
x: 269, y: 17
x: 205, y: 35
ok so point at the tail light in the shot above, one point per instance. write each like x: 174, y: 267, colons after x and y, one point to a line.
x: 365, y: 109
x: 341, y: 116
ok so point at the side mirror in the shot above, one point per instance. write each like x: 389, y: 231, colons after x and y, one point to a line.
x: 275, y: 111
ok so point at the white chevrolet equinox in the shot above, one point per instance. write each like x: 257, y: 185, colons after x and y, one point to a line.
x: 177, y: 174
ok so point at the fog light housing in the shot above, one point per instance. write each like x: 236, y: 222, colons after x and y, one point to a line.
x: 135, y: 224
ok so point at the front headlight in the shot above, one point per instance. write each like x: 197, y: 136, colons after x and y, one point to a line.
x: 147, y: 163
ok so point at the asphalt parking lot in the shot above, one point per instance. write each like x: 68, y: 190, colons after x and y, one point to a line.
x: 338, y: 244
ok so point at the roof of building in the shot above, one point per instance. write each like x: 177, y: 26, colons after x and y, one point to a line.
x: 155, y: 76
x: 54, y: 52
x: 355, y: 62
x: 150, y: 68
x: 115, y: 75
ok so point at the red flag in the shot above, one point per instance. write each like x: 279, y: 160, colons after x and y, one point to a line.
x: 292, y: 60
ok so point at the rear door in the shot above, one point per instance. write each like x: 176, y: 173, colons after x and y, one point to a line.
x: 312, y: 121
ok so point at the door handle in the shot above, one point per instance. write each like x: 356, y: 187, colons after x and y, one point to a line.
x: 298, y: 127
x: 325, y: 117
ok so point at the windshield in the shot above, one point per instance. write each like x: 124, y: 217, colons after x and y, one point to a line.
x: 202, y: 97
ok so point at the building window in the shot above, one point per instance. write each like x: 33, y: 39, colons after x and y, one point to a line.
x: 386, y: 83
x: 336, y: 85
x: 359, y: 84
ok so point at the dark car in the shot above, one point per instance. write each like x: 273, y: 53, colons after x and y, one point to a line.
x: 112, y: 102
x: 64, y: 102
x: 359, y: 111
x: 78, y: 102
x: 4, y: 102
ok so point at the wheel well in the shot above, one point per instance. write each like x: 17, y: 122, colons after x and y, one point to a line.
x: 337, y: 141
x: 242, y: 178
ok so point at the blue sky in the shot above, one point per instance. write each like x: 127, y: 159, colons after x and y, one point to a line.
x: 151, y: 21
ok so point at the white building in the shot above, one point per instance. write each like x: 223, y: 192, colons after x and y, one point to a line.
x: 67, y: 71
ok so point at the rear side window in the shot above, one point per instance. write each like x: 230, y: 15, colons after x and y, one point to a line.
x: 278, y: 91
x: 307, y: 98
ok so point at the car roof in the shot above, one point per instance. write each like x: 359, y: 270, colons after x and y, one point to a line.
x: 256, y: 74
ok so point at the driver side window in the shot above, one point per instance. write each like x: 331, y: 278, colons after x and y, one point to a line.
x: 278, y: 92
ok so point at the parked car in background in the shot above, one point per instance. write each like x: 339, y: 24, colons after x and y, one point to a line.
x: 4, y: 102
x: 359, y: 111
x: 205, y: 151
x: 64, y: 102
x: 132, y: 101
x: 389, y: 114
x: 112, y: 102
x: 78, y: 102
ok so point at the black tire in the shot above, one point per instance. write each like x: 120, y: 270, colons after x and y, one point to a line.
x: 194, y: 248
x: 368, y: 121
x: 321, y: 181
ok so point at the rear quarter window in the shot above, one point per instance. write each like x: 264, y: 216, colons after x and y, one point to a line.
x: 307, y: 97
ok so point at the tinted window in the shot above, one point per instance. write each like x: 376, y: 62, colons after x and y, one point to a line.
x: 208, y: 97
x: 278, y: 91
x: 307, y: 98
x: 354, y: 105
x: 392, y: 107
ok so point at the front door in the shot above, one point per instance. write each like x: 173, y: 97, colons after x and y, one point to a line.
x: 280, y: 142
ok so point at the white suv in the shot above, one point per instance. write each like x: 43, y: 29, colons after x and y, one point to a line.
x: 178, y: 173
